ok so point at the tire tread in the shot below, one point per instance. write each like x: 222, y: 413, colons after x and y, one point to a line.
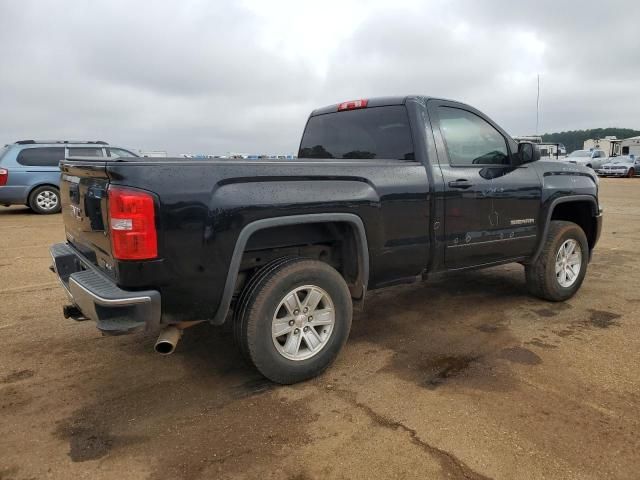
x: 536, y: 273
x: 257, y: 293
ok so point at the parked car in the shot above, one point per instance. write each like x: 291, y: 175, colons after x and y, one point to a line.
x: 385, y: 191
x: 30, y: 175
x: 623, y: 166
x: 588, y: 158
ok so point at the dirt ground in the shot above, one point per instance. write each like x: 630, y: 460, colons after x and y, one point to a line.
x: 467, y: 378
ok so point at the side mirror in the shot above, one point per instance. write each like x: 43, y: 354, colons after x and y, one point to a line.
x: 528, y: 152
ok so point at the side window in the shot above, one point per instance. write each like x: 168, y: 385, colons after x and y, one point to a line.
x: 119, y: 152
x: 470, y: 139
x: 41, y: 157
x: 85, y: 152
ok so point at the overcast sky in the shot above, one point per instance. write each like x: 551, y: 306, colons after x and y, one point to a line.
x: 207, y: 76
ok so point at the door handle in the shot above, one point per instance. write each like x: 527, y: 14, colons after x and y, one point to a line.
x: 460, y: 183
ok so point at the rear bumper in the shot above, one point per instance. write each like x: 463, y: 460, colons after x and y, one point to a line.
x: 114, y: 310
x: 12, y: 195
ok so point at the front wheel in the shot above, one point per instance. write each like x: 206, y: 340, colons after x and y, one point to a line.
x: 293, y: 319
x: 631, y: 173
x: 558, y: 272
x: 45, y: 200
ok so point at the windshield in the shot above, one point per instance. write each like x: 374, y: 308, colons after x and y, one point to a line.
x: 580, y: 153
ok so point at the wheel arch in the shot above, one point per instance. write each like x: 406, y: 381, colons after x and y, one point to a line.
x: 354, y: 221
x: 32, y: 188
x: 580, y: 209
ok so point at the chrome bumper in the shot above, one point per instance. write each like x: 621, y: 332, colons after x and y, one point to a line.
x: 115, y: 311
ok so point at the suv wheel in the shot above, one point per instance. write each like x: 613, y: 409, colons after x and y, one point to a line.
x: 45, y: 200
x: 558, y: 272
x: 293, y: 318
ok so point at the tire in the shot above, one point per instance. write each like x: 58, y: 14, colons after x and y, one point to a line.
x: 542, y: 278
x: 262, y: 313
x: 631, y: 173
x: 45, y: 200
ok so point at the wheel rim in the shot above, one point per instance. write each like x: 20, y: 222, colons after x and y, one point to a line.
x: 303, y: 323
x: 47, y: 200
x: 568, y: 263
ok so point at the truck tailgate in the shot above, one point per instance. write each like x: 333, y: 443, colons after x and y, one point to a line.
x: 83, y: 191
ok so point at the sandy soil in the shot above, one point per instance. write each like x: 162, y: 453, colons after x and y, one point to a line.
x: 466, y: 378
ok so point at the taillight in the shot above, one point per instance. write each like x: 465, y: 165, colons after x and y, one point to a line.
x: 353, y: 105
x: 4, y: 176
x: 132, y: 224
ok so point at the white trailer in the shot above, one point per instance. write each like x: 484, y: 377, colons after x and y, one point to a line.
x: 610, y: 145
x: 630, y: 146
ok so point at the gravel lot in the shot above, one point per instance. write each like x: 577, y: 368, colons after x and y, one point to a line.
x: 467, y: 378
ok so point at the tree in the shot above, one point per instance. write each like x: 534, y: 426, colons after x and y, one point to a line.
x: 574, y: 139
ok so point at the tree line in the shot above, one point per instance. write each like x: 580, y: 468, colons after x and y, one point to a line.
x: 574, y: 139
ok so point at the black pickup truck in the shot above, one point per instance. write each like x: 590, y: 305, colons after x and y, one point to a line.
x: 385, y: 191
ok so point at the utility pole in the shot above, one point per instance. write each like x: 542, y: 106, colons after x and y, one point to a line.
x: 538, y: 106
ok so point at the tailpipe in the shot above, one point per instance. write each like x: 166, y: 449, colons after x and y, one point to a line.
x: 168, y: 340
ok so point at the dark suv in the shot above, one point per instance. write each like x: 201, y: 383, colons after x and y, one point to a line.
x: 30, y: 175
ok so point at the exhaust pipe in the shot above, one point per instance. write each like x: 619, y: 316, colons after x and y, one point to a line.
x: 168, y: 340
x: 73, y: 312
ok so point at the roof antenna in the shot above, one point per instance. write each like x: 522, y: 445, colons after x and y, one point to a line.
x: 538, y: 106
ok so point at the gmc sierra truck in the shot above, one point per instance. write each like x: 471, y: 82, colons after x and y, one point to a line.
x: 385, y: 191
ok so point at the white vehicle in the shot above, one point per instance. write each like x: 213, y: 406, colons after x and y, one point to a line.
x: 552, y: 151
x: 588, y: 158
x: 528, y: 138
x: 623, y: 166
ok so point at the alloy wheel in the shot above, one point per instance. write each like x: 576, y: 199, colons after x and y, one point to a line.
x: 47, y: 200
x: 568, y: 263
x: 303, y: 322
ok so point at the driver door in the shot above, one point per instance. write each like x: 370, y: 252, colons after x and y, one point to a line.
x: 491, y: 202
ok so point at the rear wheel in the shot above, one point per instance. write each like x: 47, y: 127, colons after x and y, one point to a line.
x: 631, y: 173
x: 293, y: 319
x: 558, y: 272
x: 45, y: 200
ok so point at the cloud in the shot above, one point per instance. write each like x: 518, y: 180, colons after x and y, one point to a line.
x: 201, y: 76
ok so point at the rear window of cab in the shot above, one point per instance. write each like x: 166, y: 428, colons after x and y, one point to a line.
x: 377, y: 132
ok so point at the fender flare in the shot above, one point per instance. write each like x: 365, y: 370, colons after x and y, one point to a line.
x: 42, y: 184
x: 571, y: 198
x: 248, y: 230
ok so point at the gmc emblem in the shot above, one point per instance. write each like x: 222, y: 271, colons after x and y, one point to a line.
x: 76, y: 212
